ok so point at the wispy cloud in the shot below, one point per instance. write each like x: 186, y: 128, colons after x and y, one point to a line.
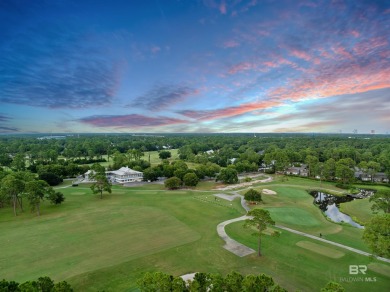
x: 129, y: 121
x: 162, y: 97
x: 203, y: 115
x: 4, y: 128
x: 230, y: 44
x: 241, y: 67
x: 51, y: 66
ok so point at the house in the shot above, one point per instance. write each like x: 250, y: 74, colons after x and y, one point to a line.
x: 264, y: 167
x: 293, y: 170
x: 209, y: 152
x: 232, y: 160
x: 122, y: 175
x: 297, y: 170
x: 381, y: 177
x: 377, y: 177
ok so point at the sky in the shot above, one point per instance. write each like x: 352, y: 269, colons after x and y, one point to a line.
x: 194, y: 66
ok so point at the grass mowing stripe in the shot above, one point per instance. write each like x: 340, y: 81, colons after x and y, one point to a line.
x: 320, y: 249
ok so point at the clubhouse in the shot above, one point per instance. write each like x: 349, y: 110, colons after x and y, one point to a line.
x: 122, y: 175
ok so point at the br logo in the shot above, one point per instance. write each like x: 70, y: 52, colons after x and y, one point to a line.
x: 356, y: 269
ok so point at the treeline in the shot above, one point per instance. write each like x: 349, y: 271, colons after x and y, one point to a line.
x: 202, y: 282
x: 327, y: 156
x: 15, y: 187
x: 42, y: 284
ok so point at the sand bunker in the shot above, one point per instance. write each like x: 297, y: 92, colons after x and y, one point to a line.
x: 188, y: 277
x: 268, y: 192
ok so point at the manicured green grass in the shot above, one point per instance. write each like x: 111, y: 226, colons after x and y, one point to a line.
x: 307, y: 269
x: 293, y: 207
x: 155, y: 159
x: 359, y: 210
x: 108, y: 244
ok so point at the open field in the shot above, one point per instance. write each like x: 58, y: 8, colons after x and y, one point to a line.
x: 108, y: 244
x: 155, y: 159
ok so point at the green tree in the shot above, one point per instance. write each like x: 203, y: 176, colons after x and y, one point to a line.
x: 376, y: 234
x: 12, y: 187
x: 233, y: 282
x: 101, y: 184
x: 260, y: 220
x: 329, y: 170
x: 36, y: 191
x: 158, y: 281
x: 172, y: 183
x: 151, y: 174
x: 5, y: 159
x: 372, y: 168
x: 190, y: 179
x: 164, y: 154
x: 19, y: 162
x: 51, y: 178
x: 228, y: 175
x: 201, y: 282
x: 381, y: 201
x: 253, y: 195
x: 311, y: 162
x: 45, y: 284
x: 29, y: 286
x: 62, y: 286
x: 344, y: 172
x: 9, y: 286
x: 333, y: 287
x: 56, y: 198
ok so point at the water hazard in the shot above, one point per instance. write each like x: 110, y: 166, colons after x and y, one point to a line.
x: 329, y: 204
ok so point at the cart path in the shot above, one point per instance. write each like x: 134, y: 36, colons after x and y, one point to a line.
x: 242, y: 250
x: 232, y: 245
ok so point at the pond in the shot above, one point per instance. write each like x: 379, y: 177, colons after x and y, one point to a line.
x: 329, y: 204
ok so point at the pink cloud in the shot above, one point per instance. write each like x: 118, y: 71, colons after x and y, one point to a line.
x: 230, y: 44
x: 155, y: 49
x: 129, y: 121
x: 369, y: 46
x: 222, y: 7
x: 339, y: 50
x: 355, y: 33
x: 301, y: 55
x: 240, y: 67
x: 328, y: 81
x: 229, y: 111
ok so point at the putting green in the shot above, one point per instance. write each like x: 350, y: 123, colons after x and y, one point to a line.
x: 293, y: 215
x: 64, y: 246
x: 320, y: 249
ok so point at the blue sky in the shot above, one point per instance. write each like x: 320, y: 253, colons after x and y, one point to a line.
x: 194, y: 66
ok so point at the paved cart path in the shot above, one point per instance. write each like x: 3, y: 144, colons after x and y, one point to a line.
x: 242, y: 250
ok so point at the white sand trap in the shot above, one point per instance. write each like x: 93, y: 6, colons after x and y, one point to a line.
x: 268, y: 192
x: 188, y: 277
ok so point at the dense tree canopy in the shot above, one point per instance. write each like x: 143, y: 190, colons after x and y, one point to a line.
x: 228, y: 176
x: 381, y: 201
x: 253, y: 195
x: 377, y: 235
x: 172, y: 183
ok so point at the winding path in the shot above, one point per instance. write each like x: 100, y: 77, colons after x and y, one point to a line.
x: 242, y: 250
